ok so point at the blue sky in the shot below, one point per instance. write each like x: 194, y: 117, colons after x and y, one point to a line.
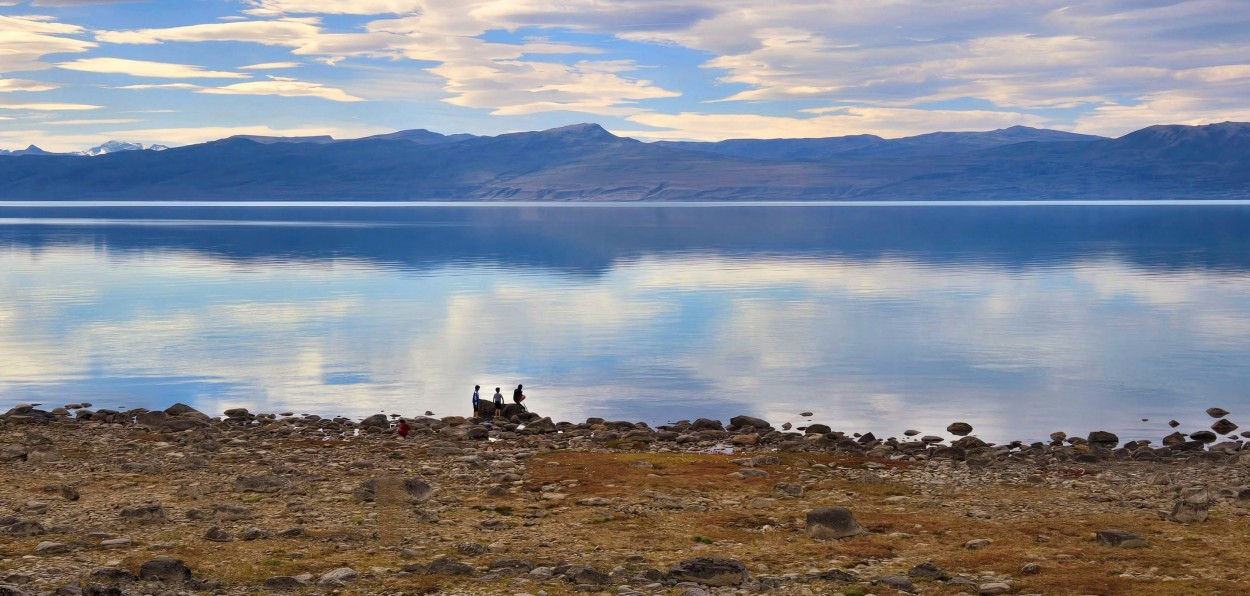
x: 74, y: 73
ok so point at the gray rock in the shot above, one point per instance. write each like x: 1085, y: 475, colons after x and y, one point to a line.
x: 337, y: 577
x: 231, y: 512
x: 24, y: 527
x: 585, y: 575
x: 544, y: 425
x: 51, y: 548
x: 150, y: 513
x: 1030, y: 569
x: 253, y: 534
x: 977, y: 544
x: 113, y: 543
x: 449, y: 566
x: 265, y: 483
x: 788, y: 489
x: 832, y: 523
x: 11, y: 590
x: 283, y: 582
x: 1192, y: 509
x: 706, y: 424
x: 928, y: 571
x: 165, y: 569
x: 993, y: 588
x: 1120, y: 539
x: 112, y: 574
x: 710, y: 571
x: 43, y: 454
x: 472, y: 548
x: 898, y: 582
x: 1217, y: 412
x: 959, y: 428
x: 217, y: 534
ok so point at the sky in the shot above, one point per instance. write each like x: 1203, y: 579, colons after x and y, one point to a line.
x: 75, y: 73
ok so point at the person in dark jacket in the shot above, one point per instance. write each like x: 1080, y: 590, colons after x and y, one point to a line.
x: 518, y: 397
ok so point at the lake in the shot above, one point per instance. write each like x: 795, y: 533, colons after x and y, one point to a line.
x: 1020, y: 320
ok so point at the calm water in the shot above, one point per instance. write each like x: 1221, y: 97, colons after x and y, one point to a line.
x: 1020, y: 320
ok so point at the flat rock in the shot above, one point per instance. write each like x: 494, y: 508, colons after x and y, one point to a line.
x: 1217, y: 412
x: 710, y: 571
x: 898, y: 582
x: 51, y: 548
x: 1120, y: 539
x: 337, y: 577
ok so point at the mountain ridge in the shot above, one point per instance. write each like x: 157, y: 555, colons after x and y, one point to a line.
x: 585, y: 162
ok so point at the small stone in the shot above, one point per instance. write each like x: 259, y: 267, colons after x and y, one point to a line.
x: 832, y: 523
x: 1174, y: 423
x: 1030, y: 569
x: 977, y: 544
x: 1217, y: 412
x: 253, y: 534
x: 115, y: 543
x: 910, y: 433
x: 283, y: 582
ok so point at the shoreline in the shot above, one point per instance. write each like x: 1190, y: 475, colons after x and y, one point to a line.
x: 259, y: 502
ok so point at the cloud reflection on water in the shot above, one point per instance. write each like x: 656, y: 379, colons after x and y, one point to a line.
x: 881, y: 342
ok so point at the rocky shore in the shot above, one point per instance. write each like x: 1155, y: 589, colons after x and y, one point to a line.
x: 95, y: 501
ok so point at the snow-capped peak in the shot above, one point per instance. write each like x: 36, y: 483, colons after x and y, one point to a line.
x: 115, y: 146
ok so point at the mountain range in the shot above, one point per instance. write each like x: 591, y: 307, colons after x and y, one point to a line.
x: 587, y: 163
x: 102, y: 149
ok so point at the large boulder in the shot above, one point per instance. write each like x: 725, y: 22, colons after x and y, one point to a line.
x: 1102, y: 438
x: 486, y: 409
x: 544, y: 425
x: 1192, y: 508
x: 710, y: 571
x: 959, y: 428
x: 757, y: 423
x: 832, y: 523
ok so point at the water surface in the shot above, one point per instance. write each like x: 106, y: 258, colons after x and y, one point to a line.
x: 1020, y: 320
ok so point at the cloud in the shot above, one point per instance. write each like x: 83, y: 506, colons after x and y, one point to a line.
x: 144, y: 68
x: 175, y: 136
x: 7, y: 85
x: 827, y: 122
x: 271, y: 66
x: 285, y: 88
x: 47, y: 106
x: 352, y: 7
x: 27, y: 38
x: 92, y: 122
x: 162, y: 86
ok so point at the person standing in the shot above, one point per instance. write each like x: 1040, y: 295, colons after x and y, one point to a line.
x: 498, y: 402
x: 476, y: 399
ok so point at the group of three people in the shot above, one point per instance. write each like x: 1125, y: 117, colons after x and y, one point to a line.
x: 517, y: 398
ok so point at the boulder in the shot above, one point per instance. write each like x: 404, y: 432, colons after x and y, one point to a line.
x: 959, y: 428
x: 927, y: 571
x: 898, y: 582
x: 756, y: 423
x: 1217, y: 412
x: 448, y: 566
x: 1223, y: 426
x: 817, y: 429
x: 710, y: 571
x: 165, y: 569
x: 1191, y: 509
x: 1102, y: 438
x: 1205, y: 436
x: 832, y: 523
x: 543, y: 425
x: 706, y: 424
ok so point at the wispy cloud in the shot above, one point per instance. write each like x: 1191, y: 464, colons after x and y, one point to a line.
x: 271, y: 66
x: 147, y: 69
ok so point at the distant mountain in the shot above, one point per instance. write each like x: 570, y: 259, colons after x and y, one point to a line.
x: 587, y: 163
x: 116, y: 146
x: 421, y: 136
x: 268, y: 140
x: 29, y: 150
x: 874, y: 146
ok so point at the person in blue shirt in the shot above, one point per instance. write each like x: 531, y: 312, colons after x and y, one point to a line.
x: 476, y: 399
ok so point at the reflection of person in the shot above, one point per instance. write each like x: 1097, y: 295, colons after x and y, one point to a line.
x: 476, y: 399
x: 519, y: 397
x: 498, y: 402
